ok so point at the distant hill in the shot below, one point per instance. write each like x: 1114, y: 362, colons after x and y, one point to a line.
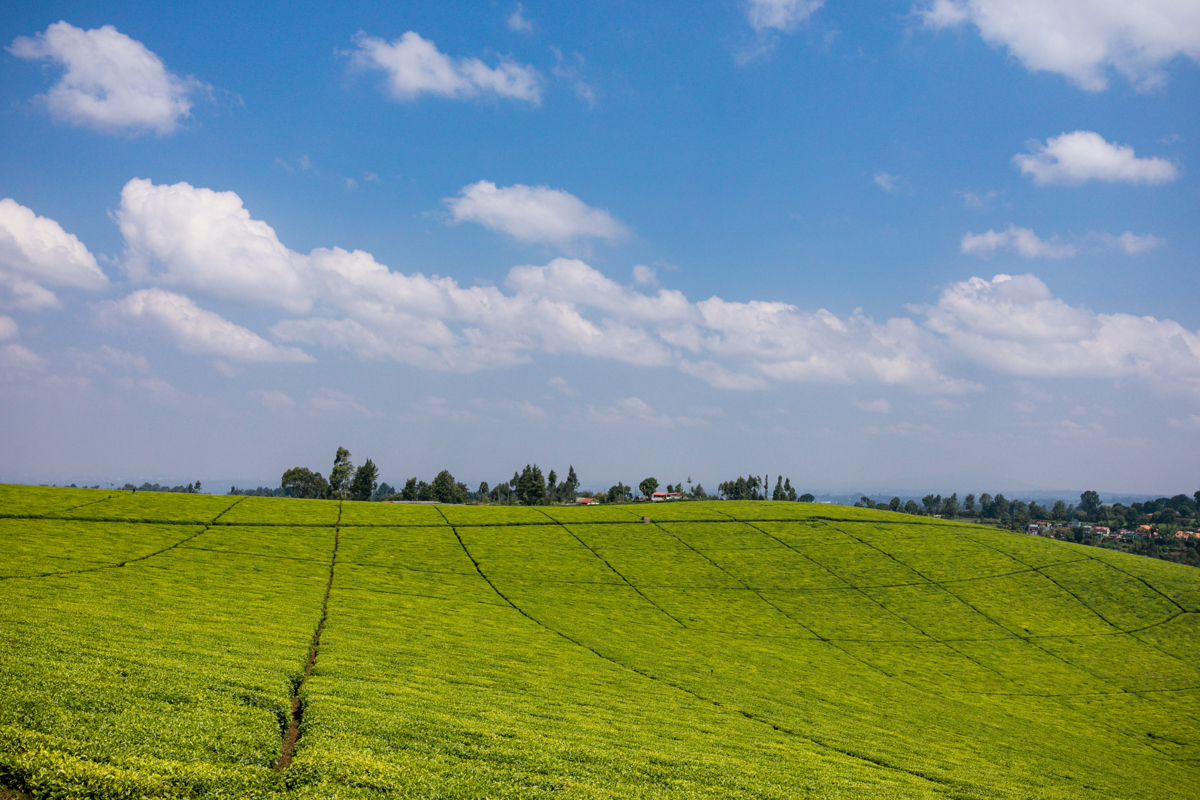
x: 187, y: 645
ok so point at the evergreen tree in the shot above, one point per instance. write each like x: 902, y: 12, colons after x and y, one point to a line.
x: 339, y: 476
x: 363, y: 484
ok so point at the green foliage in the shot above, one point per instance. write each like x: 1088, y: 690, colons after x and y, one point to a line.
x: 303, y: 483
x: 648, y: 487
x: 364, y: 483
x: 731, y: 649
x: 340, y: 475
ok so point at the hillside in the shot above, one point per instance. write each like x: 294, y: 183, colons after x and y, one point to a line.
x: 153, y: 642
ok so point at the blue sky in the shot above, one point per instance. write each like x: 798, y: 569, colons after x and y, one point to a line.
x: 681, y: 240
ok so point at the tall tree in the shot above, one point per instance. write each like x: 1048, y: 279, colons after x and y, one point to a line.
x: 950, y: 506
x: 648, y: 487
x: 339, y: 476
x: 443, y: 488
x: 1089, y: 503
x: 529, y: 488
x: 409, y: 492
x: 363, y: 484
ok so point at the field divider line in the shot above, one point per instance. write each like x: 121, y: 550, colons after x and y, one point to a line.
x: 786, y: 615
x: 628, y: 583
x: 997, y: 622
x: 181, y: 542
x: 750, y: 715
x: 291, y: 736
x: 863, y: 592
x: 1104, y: 619
x: 1144, y: 582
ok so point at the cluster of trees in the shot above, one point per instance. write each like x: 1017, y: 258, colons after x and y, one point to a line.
x: 528, y: 488
x: 191, y: 488
x: 345, y: 482
x: 1018, y: 513
x: 443, y: 489
x: 754, y: 487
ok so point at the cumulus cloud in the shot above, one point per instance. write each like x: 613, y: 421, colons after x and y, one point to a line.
x: 111, y: 82
x: 1022, y: 240
x: 533, y: 213
x: 347, y: 301
x: 35, y: 251
x: 198, y: 239
x: 415, y: 66
x: 1081, y: 39
x: 780, y: 15
x: 1080, y: 156
x: 197, y: 331
x: 1013, y: 325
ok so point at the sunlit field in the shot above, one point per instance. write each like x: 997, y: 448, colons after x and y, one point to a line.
x: 152, y: 644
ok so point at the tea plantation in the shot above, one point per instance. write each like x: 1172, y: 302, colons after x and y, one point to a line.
x: 151, y: 645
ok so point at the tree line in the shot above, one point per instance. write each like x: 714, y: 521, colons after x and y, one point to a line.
x: 528, y: 486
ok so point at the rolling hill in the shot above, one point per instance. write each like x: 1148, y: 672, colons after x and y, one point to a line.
x: 153, y: 645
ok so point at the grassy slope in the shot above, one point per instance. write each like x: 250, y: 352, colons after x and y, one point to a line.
x: 726, y: 649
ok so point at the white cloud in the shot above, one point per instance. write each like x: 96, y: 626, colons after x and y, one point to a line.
x: 1081, y: 39
x: 1022, y: 240
x: 644, y: 276
x: 887, y: 181
x: 635, y: 410
x: 272, y: 399
x: 8, y: 328
x: 533, y: 213
x: 977, y: 200
x: 1130, y: 242
x: 347, y: 301
x: 780, y: 15
x: 198, y: 239
x: 111, y: 83
x: 197, y: 331
x: 1076, y: 157
x: 518, y: 22
x: 415, y: 66
x: 1013, y: 325
x: 34, y: 251
x: 18, y: 360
